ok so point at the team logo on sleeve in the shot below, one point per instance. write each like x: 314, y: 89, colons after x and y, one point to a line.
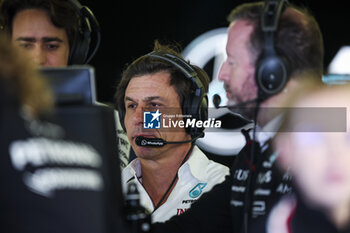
x: 151, y: 120
x: 197, y: 190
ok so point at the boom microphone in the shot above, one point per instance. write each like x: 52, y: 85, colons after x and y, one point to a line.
x: 159, y: 142
x: 217, y: 101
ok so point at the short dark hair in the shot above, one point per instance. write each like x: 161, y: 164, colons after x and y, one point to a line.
x: 298, y: 36
x: 148, y: 65
x: 62, y: 14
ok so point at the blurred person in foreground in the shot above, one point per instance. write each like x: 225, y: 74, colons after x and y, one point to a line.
x: 313, y: 145
x: 50, y: 183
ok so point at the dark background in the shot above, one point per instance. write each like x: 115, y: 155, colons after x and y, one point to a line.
x: 129, y: 28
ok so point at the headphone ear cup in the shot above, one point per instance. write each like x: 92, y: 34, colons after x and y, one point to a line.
x: 198, y: 109
x: 271, y: 75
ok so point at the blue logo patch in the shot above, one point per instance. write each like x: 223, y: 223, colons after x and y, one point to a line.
x: 197, y: 190
x: 151, y: 120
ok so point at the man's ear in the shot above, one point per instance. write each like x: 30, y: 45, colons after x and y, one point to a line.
x: 283, y: 145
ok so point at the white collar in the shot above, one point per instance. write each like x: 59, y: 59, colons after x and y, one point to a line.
x: 194, y: 165
x: 268, y: 131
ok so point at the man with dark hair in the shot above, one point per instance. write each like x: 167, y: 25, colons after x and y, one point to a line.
x: 170, y: 177
x: 51, y: 32
x: 255, y: 182
x: 45, y: 29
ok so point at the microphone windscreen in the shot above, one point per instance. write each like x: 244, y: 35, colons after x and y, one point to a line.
x: 151, y: 142
x: 138, y: 141
x: 216, y: 100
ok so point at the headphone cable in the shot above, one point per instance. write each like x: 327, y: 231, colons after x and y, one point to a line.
x: 98, y: 42
x: 248, y: 196
x: 173, y: 181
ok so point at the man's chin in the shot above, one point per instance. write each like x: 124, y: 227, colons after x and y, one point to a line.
x: 143, y: 151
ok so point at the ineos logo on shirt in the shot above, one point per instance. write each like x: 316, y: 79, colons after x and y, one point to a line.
x: 264, y: 177
x: 241, y: 175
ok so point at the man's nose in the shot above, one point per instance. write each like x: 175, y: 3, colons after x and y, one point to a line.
x: 39, y: 56
x: 138, y: 115
x: 223, y: 72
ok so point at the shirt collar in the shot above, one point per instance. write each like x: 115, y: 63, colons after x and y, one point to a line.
x: 194, y: 165
x: 133, y: 168
x: 268, y: 131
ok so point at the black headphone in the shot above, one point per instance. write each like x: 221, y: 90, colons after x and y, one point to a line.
x: 271, y: 71
x: 195, y: 105
x: 81, y: 45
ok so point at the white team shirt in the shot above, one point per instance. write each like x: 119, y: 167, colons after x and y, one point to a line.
x: 195, y: 177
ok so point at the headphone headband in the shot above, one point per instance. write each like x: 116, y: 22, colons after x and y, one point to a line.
x: 271, y: 15
x: 188, y: 71
x: 183, y: 66
x: 81, y: 46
